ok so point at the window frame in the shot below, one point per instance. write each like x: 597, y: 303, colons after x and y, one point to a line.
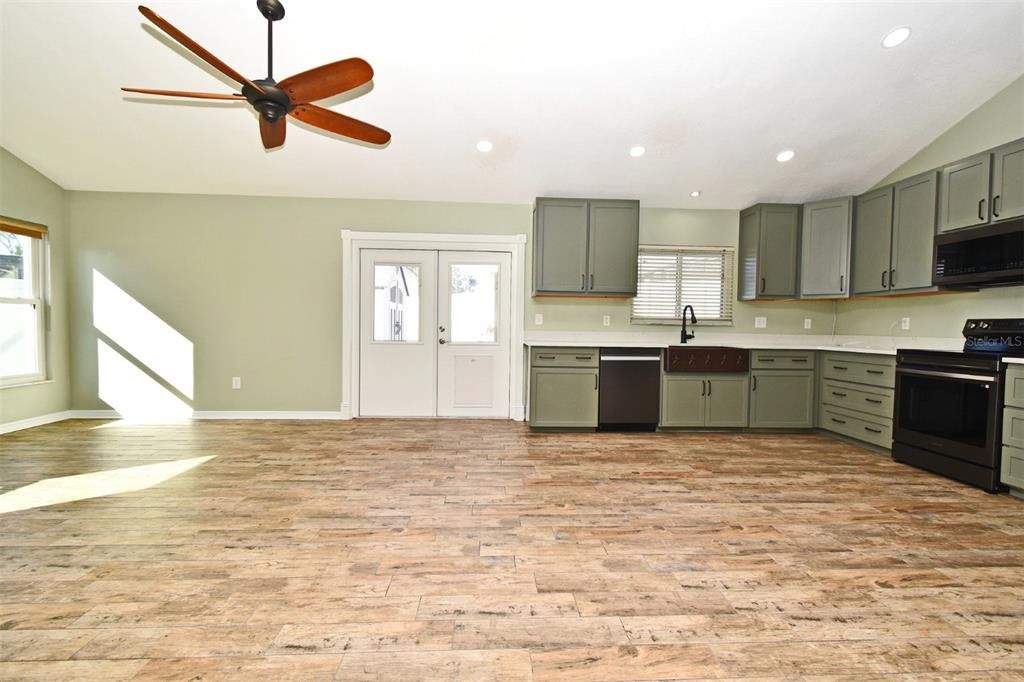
x: 39, y: 250
x: 727, y: 282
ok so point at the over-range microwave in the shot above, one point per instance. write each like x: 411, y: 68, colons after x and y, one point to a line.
x: 988, y: 256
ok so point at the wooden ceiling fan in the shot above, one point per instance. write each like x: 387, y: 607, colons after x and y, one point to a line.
x: 293, y: 96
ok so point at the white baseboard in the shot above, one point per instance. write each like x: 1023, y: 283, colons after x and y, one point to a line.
x: 41, y: 420
x: 284, y: 414
x: 518, y: 413
x: 93, y: 414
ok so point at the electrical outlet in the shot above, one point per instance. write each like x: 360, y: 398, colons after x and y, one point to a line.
x: 904, y: 323
x: 538, y: 319
x: 606, y: 320
x: 760, y: 322
x: 807, y: 323
x: 236, y: 382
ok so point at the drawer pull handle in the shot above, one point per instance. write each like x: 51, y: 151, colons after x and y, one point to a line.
x: 875, y: 371
x: 838, y: 421
x: 872, y: 400
x: 584, y: 357
x: 545, y: 357
x: 840, y: 395
x: 868, y: 428
x: 798, y: 359
x: 767, y: 359
x: 840, y: 367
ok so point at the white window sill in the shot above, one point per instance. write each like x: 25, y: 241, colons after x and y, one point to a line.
x: 27, y: 383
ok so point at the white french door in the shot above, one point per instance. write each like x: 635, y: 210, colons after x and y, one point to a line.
x: 435, y: 330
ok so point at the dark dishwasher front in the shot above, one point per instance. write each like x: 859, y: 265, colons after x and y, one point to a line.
x: 630, y: 388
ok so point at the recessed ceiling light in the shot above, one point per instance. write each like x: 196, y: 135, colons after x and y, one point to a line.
x: 895, y: 37
x: 785, y: 156
x: 695, y: 193
x: 484, y: 146
x: 637, y: 151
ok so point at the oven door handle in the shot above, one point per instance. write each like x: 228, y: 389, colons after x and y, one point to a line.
x: 980, y: 378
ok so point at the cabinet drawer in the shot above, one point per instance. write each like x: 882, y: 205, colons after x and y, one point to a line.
x: 853, y: 397
x: 564, y: 357
x: 782, y: 359
x: 870, y: 370
x: 1013, y: 426
x: 1012, y: 472
x: 874, y: 430
x: 1014, y: 386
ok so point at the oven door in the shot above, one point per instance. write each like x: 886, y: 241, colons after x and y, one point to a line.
x: 948, y: 412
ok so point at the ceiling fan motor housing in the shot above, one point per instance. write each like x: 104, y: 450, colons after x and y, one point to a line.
x: 272, y: 104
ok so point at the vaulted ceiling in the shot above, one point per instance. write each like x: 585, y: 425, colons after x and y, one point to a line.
x: 713, y: 90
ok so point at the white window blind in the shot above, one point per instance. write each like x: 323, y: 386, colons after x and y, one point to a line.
x: 670, y: 278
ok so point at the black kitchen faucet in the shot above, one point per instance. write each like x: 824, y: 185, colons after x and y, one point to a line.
x: 684, y: 337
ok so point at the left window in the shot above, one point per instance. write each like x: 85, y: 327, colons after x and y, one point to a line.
x: 22, y: 304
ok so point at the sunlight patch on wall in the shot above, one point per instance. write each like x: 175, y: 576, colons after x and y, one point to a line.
x: 97, y: 484
x: 153, y: 342
x: 134, y: 394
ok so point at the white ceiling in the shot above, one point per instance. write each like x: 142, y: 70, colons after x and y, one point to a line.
x: 563, y: 88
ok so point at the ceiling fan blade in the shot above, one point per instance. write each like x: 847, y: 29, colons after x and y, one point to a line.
x: 196, y: 48
x: 327, y: 80
x: 272, y: 133
x: 333, y: 122
x: 179, y: 93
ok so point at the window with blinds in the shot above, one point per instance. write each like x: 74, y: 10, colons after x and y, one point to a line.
x: 670, y: 278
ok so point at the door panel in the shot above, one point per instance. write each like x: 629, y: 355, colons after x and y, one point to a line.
x: 614, y: 236
x: 782, y: 400
x: 750, y: 239
x: 913, y: 232
x: 560, y: 251
x: 780, y: 238
x: 473, y: 334
x: 964, y: 193
x: 1008, y: 181
x: 682, y: 400
x: 726, y: 401
x: 872, y: 242
x: 563, y: 397
x: 825, y: 248
x: 397, y: 311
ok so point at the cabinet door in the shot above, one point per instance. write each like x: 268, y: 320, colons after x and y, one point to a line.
x: 563, y: 396
x: 614, y: 240
x: 825, y: 248
x: 726, y: 401
x: 750, y: 241
x: 778, y: 250
x: 872, y: 242
x: 783, y: 400
x: 963, y: 193
x: 682, y: 400
x: 560, y: 246
x: 1008, y: 181
x: 913, y: 232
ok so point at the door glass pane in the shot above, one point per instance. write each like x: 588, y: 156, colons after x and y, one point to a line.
x: 474, y: 303
x: 19, y: 340
x: 946, y: 410
x: 16, y: 262
x: 396, y: 303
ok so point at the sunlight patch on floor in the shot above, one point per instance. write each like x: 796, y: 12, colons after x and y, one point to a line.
x: 64, y: 489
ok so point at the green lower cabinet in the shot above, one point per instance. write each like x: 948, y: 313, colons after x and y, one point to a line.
x: 709, y: 400
x: 1012, y: 473
x: 563, y: 397
x: 682, y: 400
x: 781, y: 399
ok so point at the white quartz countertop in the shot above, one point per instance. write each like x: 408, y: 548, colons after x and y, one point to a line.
x: 875, y: 345
x: 1014, y: 361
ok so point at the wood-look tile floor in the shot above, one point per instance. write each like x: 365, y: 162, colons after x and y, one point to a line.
x: 458, y: 550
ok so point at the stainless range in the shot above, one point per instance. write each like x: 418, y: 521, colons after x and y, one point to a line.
x: 949, y: 405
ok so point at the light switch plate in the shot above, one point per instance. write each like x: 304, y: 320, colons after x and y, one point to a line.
x: 236, y: 382
x: 807, y: 323
x: 538, y: 318
x: 606, y: 320
x: 760, y: 322
x: 904, y: 323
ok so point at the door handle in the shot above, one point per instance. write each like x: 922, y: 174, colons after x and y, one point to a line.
x: 703, y: 388
x: 885, y: 274
x: 754, y: 387
x: 442, y: 341
x: 595, y: 382
x: 981, y: 209
x: 709, y: 388
x: 441, y: 329
x: 591, y: 281
x: 762, y: 285
x: 583, y: 281
x: 996, y: 201
x: 892, y: 278
x: 842, y: 280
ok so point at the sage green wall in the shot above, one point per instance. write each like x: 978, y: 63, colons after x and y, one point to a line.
x: 999, y: 120
x: 28, y: 195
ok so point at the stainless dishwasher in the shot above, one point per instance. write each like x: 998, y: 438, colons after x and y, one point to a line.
x: 630, y: 389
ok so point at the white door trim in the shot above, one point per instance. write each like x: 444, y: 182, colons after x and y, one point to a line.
x: 353, y: 242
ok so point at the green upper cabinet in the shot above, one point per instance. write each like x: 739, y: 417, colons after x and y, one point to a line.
x: 964, y: 193
x: 614, y: 243
x: 872, y: 239
x: 1008, y: 181
x: 585, y: 247
x: 913, y: 232
x: 893, y: 237
x: 769, y: 247
x: 825, y: 248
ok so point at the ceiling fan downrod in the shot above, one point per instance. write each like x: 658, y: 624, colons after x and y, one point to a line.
x: 273, y: 11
